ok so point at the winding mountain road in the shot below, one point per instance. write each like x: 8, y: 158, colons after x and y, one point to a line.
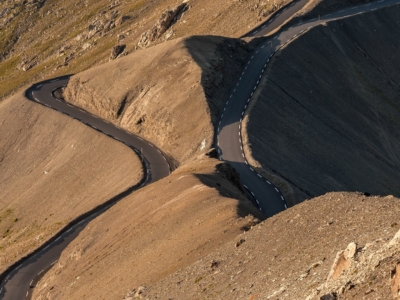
x: 22, y: 277
x: 17, y: 282
x: 229, y: 135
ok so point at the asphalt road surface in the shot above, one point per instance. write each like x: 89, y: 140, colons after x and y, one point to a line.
x: 267, y: 196
x: 18, y: 281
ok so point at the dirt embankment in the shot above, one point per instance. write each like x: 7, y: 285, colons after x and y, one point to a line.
x: 53, y: 169
x: 327, y: 114
x: 290, y: 255
x: 152, y: 233
x: 171, y: 94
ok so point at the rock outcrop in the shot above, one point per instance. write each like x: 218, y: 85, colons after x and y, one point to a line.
x: 167, y: 19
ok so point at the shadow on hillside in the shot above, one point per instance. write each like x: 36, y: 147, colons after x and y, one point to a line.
x: 226, y: 180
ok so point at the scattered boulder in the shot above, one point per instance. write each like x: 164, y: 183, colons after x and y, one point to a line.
x: 117, y: 51
x: 395, y: 276
x: 342, y: 261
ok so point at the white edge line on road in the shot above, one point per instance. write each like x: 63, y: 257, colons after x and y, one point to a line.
x: 282, y: 198
x: 276, y: 190
x: 268, y: 182
x: 252, y: 193
x: 285, y: 206
x: 259, y: 175
x: 245, y: 186
x: 257, y: 201
x: 251, y: 169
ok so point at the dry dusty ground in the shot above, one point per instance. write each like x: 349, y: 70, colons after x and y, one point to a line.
x: 47, y: 38
x: 289, y: 255
x: 152, y: 233
x: 172, y: 94
x: 326, y: 117
x: 53, y: 169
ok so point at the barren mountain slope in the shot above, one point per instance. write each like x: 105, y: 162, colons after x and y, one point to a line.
x: 53, y: 169
x: 326, y: 117
x: 46, y: 38
x: 152, y: 233
x: 291, y: 254
x: 171, y: 94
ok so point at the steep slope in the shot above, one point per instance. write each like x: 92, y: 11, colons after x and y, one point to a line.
x: 171, y: 94
x: 53, y: 169
x: 152, y: 233
x: 326, y: 115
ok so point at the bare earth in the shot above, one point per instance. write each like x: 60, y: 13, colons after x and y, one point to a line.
x: 53, y: 169
x: 151, y: 233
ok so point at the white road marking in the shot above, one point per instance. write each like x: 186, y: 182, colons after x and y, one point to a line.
x: 53, y: 263
x: 277, y: 15
x: 242, y: 154
x: 230, y: 96
x: 242, y: 113
x: 257, y: 51
x: 255, y: 32
x: 237, y: 84
x: 224, y: 108
x: 258, y: 81
x: 27, y: 292
x: 58, y: 238
x: 248, y: 100
x: 227, y: 102
x: 151, y: 145
x: 282, y: 198
x: 268, y: 182
x: 219, y: 123
x: 275, y: 37
x: 69, y: 105
x: 222, y: 116
x: 259, y: 175
x: 252, y: 57
x: 257, y: 201
x: 159, y: 151
x: 263, y: 26
x: 252, y: 193
x: 244, y: 108
x: 246, y: 162
x: 285, y: 206
x: 40, y: 272
x: 242, y: 73
x: 251, y: 169
x: 255, y: 88
x: 276, y: 190
x: 252, y: 93
x: 40, y: 85
x: 31, y: 282
x: 37, y: 99
x: 245, y: 186
x: 234, y: 90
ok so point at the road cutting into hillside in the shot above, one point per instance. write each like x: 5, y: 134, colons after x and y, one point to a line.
x: 18, y: 281
x: 229, y: 135
x: 23, y: 277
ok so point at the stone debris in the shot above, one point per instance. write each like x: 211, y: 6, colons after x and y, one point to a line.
x: 167, y: 19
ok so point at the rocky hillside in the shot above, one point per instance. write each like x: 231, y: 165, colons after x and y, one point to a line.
x: 337, y: 246
x: 327, y: 114
x: 46, y: 38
